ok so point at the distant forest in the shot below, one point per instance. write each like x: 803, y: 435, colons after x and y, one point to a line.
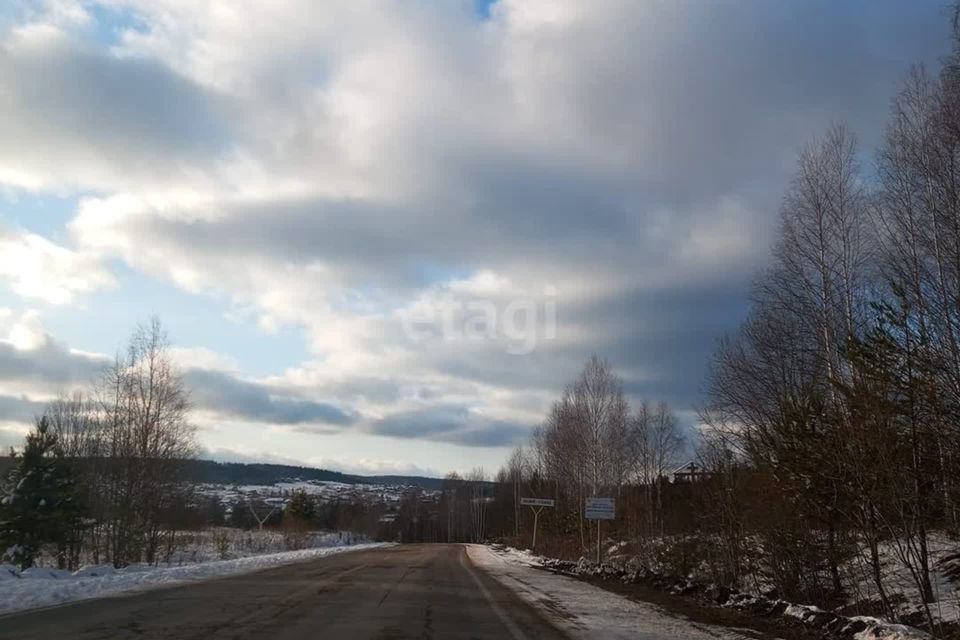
x: 230, y: 473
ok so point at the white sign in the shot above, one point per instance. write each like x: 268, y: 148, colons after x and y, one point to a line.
x: 536, y: 502
x: 600, y: 509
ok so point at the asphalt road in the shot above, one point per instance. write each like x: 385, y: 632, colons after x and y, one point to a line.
x: 410, y: 591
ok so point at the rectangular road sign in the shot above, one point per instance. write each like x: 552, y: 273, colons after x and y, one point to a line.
x: 536, y: 502
x: 600, y: 509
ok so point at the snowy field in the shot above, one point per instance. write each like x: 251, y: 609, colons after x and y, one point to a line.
x: 585, y: 611
x: 43, y: 587
x: 226, y: 543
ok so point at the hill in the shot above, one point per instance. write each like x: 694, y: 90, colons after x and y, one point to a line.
x: 211, y: 472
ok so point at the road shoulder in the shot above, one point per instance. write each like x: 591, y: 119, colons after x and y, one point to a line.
x: 583, y: 610
x: 19, y: 595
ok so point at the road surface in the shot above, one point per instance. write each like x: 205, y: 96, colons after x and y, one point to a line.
x: 409, y: 591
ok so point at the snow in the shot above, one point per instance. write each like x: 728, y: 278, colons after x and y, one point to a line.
x: 879, y: 630
x: 584, y: 610
x: 322, y: 490
x: 19, y: 593
x: 596, y: 611
x: 95, y: 571
x: 9, y: 572
x: 802, y: 611
x: 856, y: 574
x: 899, y: 581
x: 38, y: 573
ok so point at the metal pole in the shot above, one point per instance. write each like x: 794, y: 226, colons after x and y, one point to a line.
x: 536, y: 518
x: 598, y: 541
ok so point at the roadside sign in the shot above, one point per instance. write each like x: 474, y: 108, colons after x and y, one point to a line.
x: 536, y: 502
x: 600, y: 509
x: 536, y: 505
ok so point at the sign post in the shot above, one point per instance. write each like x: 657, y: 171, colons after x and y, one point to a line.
x: 600, y: 509
x: 536, y: 505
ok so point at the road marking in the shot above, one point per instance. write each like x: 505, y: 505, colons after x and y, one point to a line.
x: 511, y: 626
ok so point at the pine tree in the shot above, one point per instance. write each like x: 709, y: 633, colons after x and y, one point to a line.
x: 240, y: 516
x: 300, y: 510
x: 39, y: 504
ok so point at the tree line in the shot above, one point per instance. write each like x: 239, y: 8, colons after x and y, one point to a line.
x: 841, y: 391
x: 592, y: 443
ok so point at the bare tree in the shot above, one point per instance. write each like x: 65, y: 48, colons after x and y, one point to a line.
x: 601, y: 413
x: 516, y: 472
x: 145, y: 436
x: 654, y: 444
x: 477, y: 479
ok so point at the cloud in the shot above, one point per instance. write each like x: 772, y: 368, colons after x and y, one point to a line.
x: 19, y: 409
x: 455, y: 424
x: 231, y: 455
x: 31, y: 359
x: 34, y: 267
x: 11, y: 436
x: 360, y: 466
x: 229, y: 396
x: 333, y: 169
x: 72, y: 116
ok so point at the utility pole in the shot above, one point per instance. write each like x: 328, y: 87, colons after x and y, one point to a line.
x: 260, y: 522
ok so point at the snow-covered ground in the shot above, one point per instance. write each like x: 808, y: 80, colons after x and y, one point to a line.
x: 323, y: 490
x: 226, y: 543
x: 47, y: 587
x: 856, y: 574
x: 900, y: 584
x: 585, y: 611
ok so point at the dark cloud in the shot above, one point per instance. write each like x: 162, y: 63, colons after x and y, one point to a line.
x: 659, y: 341
x: 225, y: 394
x: 86, y: 116
x: 665, y: 338
x: 453, y: 424
x: 51, y: 365
x: 666, y: 126
x: 20, y: 409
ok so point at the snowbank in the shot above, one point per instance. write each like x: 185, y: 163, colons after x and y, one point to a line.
x: 43, y: 588
x: 766, y: 605
x: 37, y: 573
x: 583, y: 610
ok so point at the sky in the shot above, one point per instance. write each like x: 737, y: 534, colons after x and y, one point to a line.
x: 383, y: 234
